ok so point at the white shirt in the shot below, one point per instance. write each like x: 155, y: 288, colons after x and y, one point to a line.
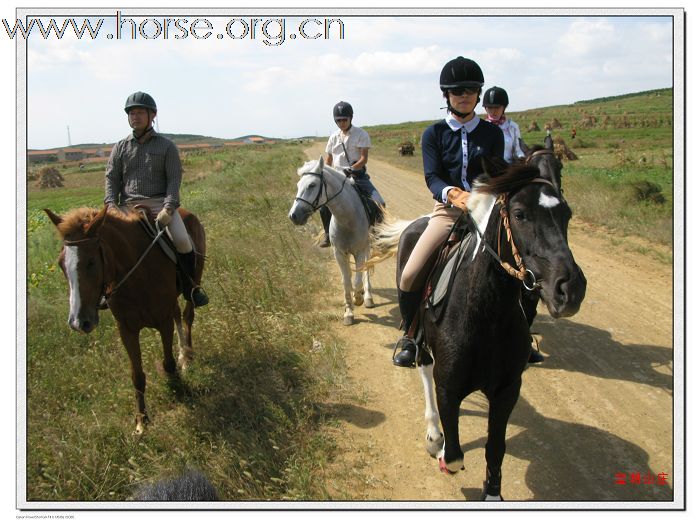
x: 511, y: 134
x: 355, y: 139
x: 467, y: 127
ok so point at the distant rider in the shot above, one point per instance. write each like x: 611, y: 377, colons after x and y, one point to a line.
x: 348, y: 150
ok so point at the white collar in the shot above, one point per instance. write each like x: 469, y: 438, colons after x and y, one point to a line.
x: 455, y: 124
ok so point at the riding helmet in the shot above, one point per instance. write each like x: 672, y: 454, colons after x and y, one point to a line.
x: 461, y: 72
x: 140, y: 100
x: 495, y: 96
x: 342, y: 110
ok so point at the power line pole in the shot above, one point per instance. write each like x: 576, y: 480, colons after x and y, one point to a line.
x: 69, y: 142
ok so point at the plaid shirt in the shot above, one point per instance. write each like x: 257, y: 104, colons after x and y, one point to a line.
x: 142, y: 171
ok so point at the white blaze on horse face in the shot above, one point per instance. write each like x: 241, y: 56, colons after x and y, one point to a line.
x: 547, y: 201
x: 71, y: 263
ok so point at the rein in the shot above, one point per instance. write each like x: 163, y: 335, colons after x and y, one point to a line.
x: 314, y: 204
x: 114, y: 289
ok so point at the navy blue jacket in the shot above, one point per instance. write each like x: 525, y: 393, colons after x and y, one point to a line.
x: 442, y: 154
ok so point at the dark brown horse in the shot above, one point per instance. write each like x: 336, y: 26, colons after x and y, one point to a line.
x: 110, y: 254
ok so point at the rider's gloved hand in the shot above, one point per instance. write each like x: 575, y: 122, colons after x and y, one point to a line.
x: 165, y: 216
x: 458, y: 198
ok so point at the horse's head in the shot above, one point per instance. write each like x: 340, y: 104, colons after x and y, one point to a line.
x: 545, y: 160
x: 311, y: 192
x: 83, y: 263
x: 539, y: 218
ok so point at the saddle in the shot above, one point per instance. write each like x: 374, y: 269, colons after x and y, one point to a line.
x: 374, y: 212
x: 451, y: 255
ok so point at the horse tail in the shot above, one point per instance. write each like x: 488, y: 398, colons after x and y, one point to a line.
x: 384, y: 240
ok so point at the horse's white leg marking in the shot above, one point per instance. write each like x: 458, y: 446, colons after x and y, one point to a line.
x: 434, y: 439
x: 492, y: 498
x: 548, y: 202
x: 368, y: 299
x: 344, y: 265
x: 71, y: 264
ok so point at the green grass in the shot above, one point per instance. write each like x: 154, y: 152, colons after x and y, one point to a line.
x: 630, y: 141
x: 248, y: 412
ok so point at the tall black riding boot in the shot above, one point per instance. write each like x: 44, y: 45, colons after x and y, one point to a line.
x: 190, y: 289
x: 326, y: 215
x: 409, y: 302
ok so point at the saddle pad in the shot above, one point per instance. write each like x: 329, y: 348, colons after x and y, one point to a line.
x: 445, y: 277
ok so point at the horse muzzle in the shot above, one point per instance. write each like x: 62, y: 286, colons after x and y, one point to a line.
x: 299, y: 215
x: 84, y: 323
x: 565, y: 295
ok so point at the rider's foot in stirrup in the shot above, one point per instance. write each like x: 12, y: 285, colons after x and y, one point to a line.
x: 407, y: 356
x: 535, y: 356
x: 199, y: 297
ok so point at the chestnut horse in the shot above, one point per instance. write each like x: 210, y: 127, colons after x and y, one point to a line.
x: 110, y: 254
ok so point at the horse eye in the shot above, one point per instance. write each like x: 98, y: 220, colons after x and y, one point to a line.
x: 519, y: 215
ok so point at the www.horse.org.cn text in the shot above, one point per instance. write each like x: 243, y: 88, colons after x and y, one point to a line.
x: 269, y: 31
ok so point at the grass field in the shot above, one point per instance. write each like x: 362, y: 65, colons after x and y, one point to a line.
x: 248, y: 414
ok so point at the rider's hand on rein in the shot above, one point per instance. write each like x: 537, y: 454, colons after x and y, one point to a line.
x: 458, y: 198
x: 164, y: 216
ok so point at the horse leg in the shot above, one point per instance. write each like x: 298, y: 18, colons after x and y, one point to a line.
x: 130, y: 339
x: 434, y: 439
x: 500, y: 408
x: 451, y: 456
x: 166, y: 337
x: 184, y: 335
x: 367, y: 298
x: 345, y: 271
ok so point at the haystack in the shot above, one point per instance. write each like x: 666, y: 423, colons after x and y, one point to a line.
x: 533, y: 126
x: 50, y: 178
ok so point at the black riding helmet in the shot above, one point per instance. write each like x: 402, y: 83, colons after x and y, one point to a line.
x: 342, y: 110
x: 140, y: 100
x: 461, y: 72
x: 495, y: 96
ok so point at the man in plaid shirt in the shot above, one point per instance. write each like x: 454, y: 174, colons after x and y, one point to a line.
x: 144, y: 169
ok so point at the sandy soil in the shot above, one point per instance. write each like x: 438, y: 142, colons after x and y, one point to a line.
x: 600, y: 405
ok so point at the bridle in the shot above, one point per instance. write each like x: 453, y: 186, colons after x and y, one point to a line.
x: 521, y: 273
x: 315, y: 203
x: 91, y: 240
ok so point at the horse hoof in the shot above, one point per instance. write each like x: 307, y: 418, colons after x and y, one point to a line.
x: 444, y: 468
x: 359, y: 300
x: 487, y: 497
x: 434, y: 446
x: 369, y: 302
x: 348, y: 320
x: 185, y: 358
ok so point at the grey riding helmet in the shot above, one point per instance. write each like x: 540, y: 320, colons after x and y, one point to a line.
x: 461, y: 72
x: 140, y: 100
x: 342, y: 110
x: 495, y: 96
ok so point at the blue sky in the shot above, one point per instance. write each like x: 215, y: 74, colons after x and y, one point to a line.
x: 387, y: 67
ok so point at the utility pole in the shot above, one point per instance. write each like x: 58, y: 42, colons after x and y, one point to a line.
x: 69, y: 142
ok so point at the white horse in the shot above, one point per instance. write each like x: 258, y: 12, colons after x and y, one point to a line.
x: 321, y: 185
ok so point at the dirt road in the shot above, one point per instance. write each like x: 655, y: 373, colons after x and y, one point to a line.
x: 599, y: 407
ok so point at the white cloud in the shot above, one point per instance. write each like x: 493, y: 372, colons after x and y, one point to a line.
x: 588, y: 36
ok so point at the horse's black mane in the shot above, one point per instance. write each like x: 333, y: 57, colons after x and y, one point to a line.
x: 506, y: 179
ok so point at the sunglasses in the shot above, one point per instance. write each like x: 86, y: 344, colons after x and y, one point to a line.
x: 342, y: 119
x: 458, y: 92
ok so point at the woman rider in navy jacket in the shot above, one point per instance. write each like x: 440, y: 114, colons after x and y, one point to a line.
x: 452, y: 153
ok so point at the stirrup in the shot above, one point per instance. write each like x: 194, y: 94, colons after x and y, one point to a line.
x: 199, y: 297
x: 404, y: 357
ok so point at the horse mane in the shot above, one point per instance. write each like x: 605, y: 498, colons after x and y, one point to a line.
x: 507, y: 180
x: 79, y: 220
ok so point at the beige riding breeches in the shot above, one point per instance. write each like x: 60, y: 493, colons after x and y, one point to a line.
x: 439, y: 226
x: 176, y: 229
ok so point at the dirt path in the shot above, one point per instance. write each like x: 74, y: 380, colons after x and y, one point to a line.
x: 599, y: 405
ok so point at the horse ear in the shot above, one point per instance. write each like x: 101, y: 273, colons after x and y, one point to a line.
x: 56, y: 219
x: 96, y: 223
x: 526, y: 149
x: 549, y: 143
x: 320, y: 163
